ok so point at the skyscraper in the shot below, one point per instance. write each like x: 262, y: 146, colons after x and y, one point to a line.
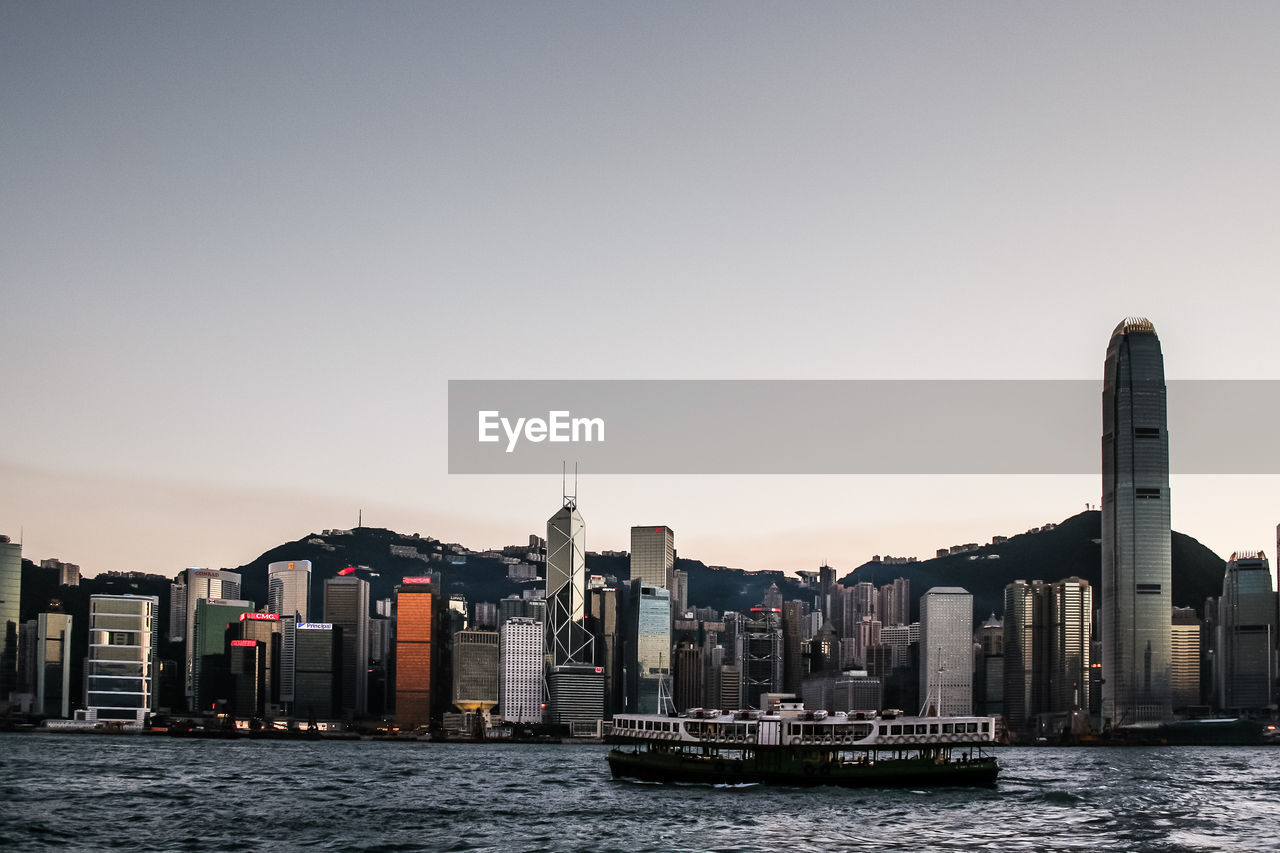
x: 10, y: 613
x: 1136, y: 594
x: 53, y: 665
x: 475, y: 670
x: 317, y: 687
x: 1070, y: 638
x: 264, y: 631
x: 346, y: 605
x: 793, y: 637
x: 653, y: 555
x: 567, y: 638
x: 420, y: 629
x: 946, y: 650
x: 762, y: 656
x: 203, y: 584
x: 211, y: 674
x: 866, y: 604
x: 577, y: 696
x: 607, y: 619
x: 679, y: 594
x: 1245, y: 666
x: 826, y: 580
x: 289, y: 588
x: 178, y: 609
x: 653, y: 648
x: 1026, y: 652
x: 121, y: 680
x: 687, y: 682
x: 990, y: 637
x: 520, y: 650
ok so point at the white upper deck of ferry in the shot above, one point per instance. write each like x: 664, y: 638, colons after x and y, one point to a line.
x: 789, y: 724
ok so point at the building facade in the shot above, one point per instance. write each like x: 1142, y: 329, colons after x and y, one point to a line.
x: 421, y: 626
x: 946, y: 650
x: 1185, y: 664
x: 1070, y: 637
x: 1245, y: 666
x: 265, y: 631
x: 653, y: 648
x: 653, y: 555
x: 121, y: 677
x: 211, y: 674
x: 289, y: 588
x: 346, y: 605
x: 475, y: 670
x: 577, y: 694
x: 317, y: 677
x: 10, y: 614
x: 763, y: 659
x: 53, y: 665
x: 520, y: 654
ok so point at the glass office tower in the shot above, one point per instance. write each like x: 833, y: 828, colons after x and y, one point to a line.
x: 1136, y: 595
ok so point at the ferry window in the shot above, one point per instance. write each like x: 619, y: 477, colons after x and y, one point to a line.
x: 986, y: 727
x: 895, y: 730
x: 972, y: 727
x: 947, y: 728
x: 933, y: 728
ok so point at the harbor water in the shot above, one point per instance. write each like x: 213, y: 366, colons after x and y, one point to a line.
x: 94, y: 792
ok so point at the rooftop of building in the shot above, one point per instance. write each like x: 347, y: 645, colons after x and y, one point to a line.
x: 1129, y: 325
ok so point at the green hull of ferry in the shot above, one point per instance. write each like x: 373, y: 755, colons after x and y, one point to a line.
x: 787, y: 766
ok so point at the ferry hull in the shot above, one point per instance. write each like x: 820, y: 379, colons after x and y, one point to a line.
x: 778, y: 769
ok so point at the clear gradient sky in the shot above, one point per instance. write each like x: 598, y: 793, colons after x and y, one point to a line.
x: 244, y: 246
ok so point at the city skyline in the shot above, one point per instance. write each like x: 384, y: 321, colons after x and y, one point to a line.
x: 246, y: 255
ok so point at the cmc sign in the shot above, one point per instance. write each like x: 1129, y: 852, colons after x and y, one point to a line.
x: 260, y: 617
x: 417, y: 580
x: 244, y: 644
x: 315, y: 626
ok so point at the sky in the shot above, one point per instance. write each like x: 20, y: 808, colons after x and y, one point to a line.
x: 245, y: 246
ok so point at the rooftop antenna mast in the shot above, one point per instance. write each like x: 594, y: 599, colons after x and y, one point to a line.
x: 564, y: 483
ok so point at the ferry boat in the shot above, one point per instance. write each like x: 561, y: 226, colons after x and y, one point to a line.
x: 787, y: 745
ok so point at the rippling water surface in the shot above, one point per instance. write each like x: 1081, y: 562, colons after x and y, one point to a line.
x: 155, y: 793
